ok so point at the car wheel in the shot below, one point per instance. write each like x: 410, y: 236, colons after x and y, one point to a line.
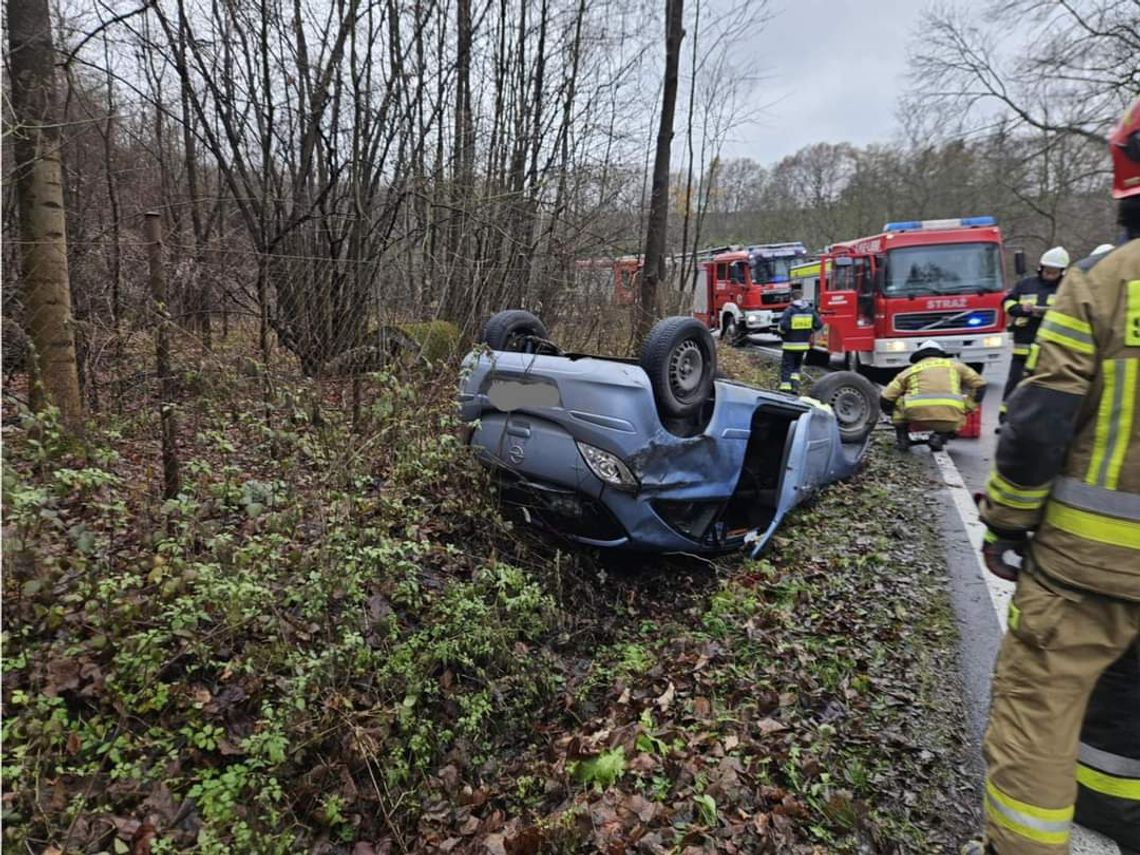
x: 680, y: 358
x: 855, y: 401
x: 512, y: 330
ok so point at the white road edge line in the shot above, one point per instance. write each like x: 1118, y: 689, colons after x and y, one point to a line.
x: 1000, y: 591
x: 1083, y: 841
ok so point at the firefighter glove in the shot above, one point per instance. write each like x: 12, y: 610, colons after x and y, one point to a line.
x: 997, y: 545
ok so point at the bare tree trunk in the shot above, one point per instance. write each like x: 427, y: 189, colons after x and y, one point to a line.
x: 43, y: 224
x: 170, y: 475
x: 654, y: 271
x: 685, y: 265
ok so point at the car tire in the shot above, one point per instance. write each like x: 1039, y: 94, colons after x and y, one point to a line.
x: 855, y: 401
x: 680, y: 358
x: 512, y: 330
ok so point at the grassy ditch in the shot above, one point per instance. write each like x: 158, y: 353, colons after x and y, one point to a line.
x: 330, y: 641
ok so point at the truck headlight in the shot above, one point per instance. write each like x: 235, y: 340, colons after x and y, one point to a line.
x: 608, y: 467
x: 895, y: 347
x: 753, y: 318
x: 993, y: 341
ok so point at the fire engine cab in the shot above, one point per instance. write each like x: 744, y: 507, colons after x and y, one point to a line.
x: 744, y: 290
x: 880, y: 296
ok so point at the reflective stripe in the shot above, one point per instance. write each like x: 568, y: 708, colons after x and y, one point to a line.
x: 1004, y: 492
x: 796, y: 345
x: 1014, y: 618
x: 1009, y: 303
x: 802, y: 322
x: 1091, y: 526
x: 1034, y: 355
x: 1105, y: 761
x: 1110, y: 785
x: 1086, y: 497
x: 1113, y: 422
x: 1067, y: 331
x: 934, y: 399
x: 1132, y: 315
x: 1041, y: 825
x: 1021, y: 349
x: 1074, y: 326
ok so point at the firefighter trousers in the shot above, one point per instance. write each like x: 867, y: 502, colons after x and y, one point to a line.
x: 790, y: 376
x: 1016, y: 373
x: 1059, y: 641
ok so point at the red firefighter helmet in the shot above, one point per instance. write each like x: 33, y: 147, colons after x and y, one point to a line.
x: 1124, y: 143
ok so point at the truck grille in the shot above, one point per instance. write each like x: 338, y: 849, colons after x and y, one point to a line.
x: 954, y: 319
x: 773, y: 297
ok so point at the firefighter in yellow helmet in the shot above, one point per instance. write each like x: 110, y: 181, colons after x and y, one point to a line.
x: 1068, y: 473
x: 929, y: 395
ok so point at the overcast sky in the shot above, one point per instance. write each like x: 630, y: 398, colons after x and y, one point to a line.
x: 833, y: 73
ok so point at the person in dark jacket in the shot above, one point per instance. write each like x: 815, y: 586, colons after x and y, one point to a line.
x: 797, y: 324
x: 1026, y: 305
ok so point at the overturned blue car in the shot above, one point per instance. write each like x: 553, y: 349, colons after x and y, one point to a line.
x: 655, y: 454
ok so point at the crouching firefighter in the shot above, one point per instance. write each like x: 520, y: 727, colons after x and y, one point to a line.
x: 929, y: 395
x: 1066, y: 471
x: 797, y: 324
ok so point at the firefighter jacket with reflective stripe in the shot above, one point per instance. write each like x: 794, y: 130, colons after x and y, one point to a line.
x: 1029, y: 292
x: 1068, y: 462
x: 931, y: 391
x: 797, y: 324
x: 1108, y: 760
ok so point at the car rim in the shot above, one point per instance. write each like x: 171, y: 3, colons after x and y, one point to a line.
x: 850, y: 406
x: 686, y: 365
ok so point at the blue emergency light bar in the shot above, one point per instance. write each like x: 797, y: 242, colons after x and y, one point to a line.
x: 926, y: 225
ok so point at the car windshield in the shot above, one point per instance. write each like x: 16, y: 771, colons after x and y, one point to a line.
x: 765, y: 270
x: 955, y: 268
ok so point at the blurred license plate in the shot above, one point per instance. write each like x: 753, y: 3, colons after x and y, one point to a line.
x: 514, y: 394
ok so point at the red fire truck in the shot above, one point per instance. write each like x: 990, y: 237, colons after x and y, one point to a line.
x: 744, y: 290
x: 880, y: 296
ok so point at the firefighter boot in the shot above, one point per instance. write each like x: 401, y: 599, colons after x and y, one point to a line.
x: 902, y: 437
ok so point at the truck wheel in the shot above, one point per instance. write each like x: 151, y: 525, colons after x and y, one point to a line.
x: 820, y: 359
x: 730, y: 332
x: 680, y: 358
x: 855, y: 400
x: 513, y: 330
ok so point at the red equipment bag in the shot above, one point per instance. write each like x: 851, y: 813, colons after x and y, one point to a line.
x: 972, y: 429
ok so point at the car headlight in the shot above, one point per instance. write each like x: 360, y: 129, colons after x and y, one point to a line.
x: 608, y: 467
x: 993, y: 341
x: 895, y: 346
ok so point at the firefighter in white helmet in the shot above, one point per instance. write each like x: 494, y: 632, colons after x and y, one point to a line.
x: 929, y: 395
x: 1026, y: 305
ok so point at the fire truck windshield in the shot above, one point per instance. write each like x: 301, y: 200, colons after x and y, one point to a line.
x: 766, y: 270
x: 950, y: 268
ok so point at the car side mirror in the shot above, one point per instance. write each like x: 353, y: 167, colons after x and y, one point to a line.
x: 1019, y: 262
